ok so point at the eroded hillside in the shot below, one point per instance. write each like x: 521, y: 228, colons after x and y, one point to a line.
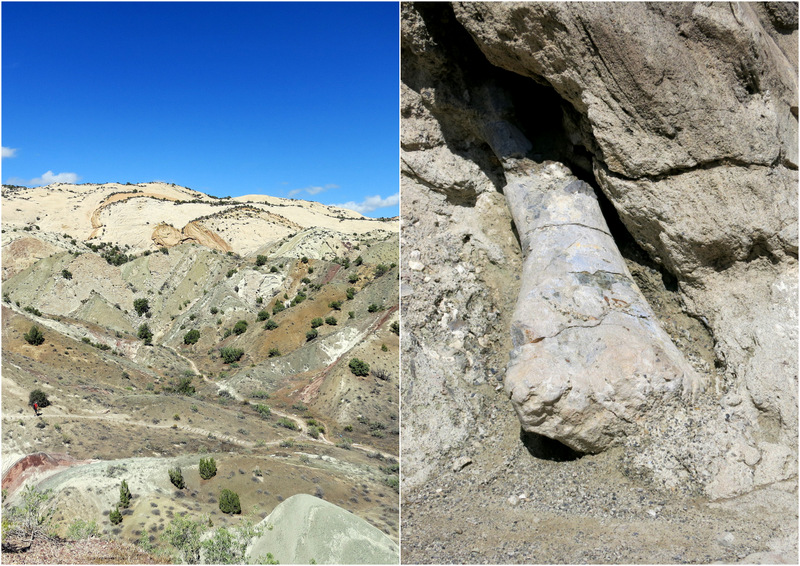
x: 178, y: 326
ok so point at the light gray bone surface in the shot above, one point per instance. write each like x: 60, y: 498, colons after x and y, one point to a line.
x: 589, y: 358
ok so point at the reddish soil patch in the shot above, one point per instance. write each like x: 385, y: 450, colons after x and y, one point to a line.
x: 39, y: 462
x: 332, y: 271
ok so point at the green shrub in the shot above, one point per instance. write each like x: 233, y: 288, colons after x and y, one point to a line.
x: 317, y: 322
x: 263, y: 410
x: 384, y: 348
x: 214, y: 310
x: 229, y: 546
x: 380, y: 269
x: 395, y: 327
x: 141, y: 306
x: 261, y: 260
x: 229, y: 502
x: 227, y: 333
x: 353, y: 278
x: 359, y: 260
x: 351, y: 314
x: 260, y: 395
x: 191, y: 337
x: 230, y: 273
x: 145, y: 334
x: 351, y: 292
x: 33, y: 310
x: 240, y: 327
x: 305, y: 280
x: 115, y: 516
x: 304, y: 259
x: 34, y: 336
x: 287, y: 423
x: 263, y: 315
x: 185, y: 387
x: 39, y: 397
x: 208, y: 468
x: 124, y: 495
x: 230, y: 355
x: 176, y: 477
x: 311, y: 270
x: 311, y: 334
x: 335, y: 305
x: 270, y: 325
x: 273, y: 269
x: 331, y: 321
x: 274, y: 352
x: 373, y: 307
x: 184, y: 534
x: 278, y: 307
x: 67, y: 275
x: 359, y: 367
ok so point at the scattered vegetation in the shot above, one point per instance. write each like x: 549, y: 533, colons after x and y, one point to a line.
x: 39, y: 397
x: 240, y: 327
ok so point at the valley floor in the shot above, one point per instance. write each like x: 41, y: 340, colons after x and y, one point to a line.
x: 509, y: 507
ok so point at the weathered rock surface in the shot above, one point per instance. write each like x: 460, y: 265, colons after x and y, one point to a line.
x: 305, y: 528
x: 682, y: 116
x: 590, y: 359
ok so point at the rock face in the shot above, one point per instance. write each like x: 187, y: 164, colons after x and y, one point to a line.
x: 682, y: 119
x: 305, y: 528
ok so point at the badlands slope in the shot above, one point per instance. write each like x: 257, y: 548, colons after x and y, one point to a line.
x: 76, y: 257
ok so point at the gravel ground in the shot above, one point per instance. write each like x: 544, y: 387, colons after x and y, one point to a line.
x: 515, y: 502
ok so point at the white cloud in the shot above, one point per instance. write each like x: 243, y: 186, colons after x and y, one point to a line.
x: 312, y: 190
x: 50, y: 178
x: 371, y: 203
x: 9, y: 152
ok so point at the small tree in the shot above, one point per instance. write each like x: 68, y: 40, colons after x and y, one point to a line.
x: 229, y: 502
x: 66, y: 274
x: 331, y: 321
x: 115, y: 516
x: 380, y: 269
x: 145, y: 334
x: 351, y: 292
x: 208, y: 468
x: 335, y: 305
x: 34, y: 336
x: 315, y: 322
x: 278, y: 307
x: 359, y: 260
x: 124, y: 495
x: 263, y: 410
x: 395, y: 327
x: 39, y: 397
x: 311, y: 334
x: 261, y: 260
x: 274, y: 352
x: 192, y: 337
x: 176, y: 477
x: 240, y: 327
x: 141, y: 306
x: 359, y: 367
x: 263, y: 315
x: 373, y: 307
x: 270, y: 325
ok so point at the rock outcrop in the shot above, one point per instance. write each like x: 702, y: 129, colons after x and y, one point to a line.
x: 307, y: 530
x: 682, y: 118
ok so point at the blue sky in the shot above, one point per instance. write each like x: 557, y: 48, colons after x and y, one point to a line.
x: 299, y: 100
